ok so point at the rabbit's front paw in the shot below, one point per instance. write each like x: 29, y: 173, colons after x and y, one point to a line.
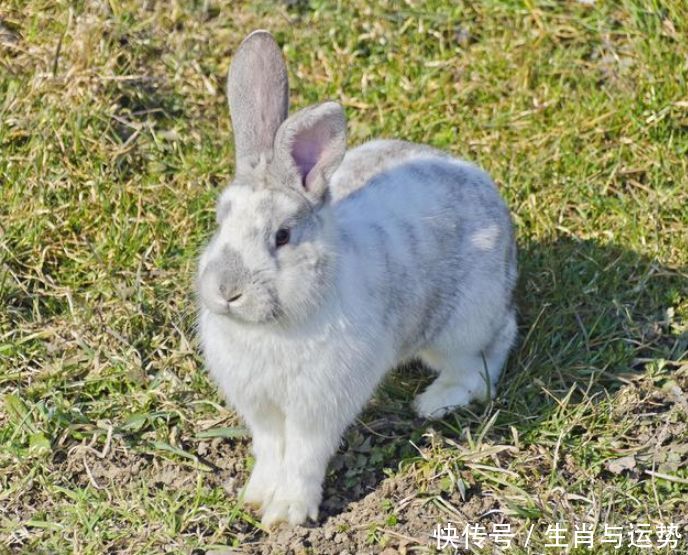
x: 294, y: 511
x: 260, y: 487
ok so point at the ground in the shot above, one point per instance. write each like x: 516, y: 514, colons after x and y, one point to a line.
x: 114, y: 144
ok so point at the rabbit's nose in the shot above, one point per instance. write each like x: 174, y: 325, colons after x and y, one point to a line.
x: 234, y: 298
x: 229, y: 295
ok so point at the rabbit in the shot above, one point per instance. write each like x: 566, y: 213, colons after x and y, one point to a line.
x: 329, y: 268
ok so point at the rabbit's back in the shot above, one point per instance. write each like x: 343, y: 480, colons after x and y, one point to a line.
x: 362, y: 163
x: 425, y: 239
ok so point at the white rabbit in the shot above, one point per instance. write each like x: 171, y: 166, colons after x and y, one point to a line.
x: 330, y: 268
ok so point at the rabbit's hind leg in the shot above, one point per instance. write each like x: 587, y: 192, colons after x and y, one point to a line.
x: 464, y: 376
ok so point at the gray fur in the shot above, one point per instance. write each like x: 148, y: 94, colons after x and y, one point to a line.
x: 258, y: 94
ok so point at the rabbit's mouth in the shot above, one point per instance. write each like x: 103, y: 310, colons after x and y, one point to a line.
x: 256, y: 307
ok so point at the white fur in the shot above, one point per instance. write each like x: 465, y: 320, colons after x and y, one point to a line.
x: 418, y: 262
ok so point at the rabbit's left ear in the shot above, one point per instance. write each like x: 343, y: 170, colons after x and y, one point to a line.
x: 313, y: 142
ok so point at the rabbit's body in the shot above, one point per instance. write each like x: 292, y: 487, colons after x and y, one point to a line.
x: 394, y: 251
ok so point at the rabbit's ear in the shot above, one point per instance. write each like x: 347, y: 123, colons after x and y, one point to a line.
x: 258, y: 94
x: 313, y: 142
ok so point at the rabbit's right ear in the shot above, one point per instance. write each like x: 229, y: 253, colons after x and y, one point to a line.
x: 258, y: 94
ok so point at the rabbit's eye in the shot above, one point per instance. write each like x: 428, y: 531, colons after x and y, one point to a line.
x: 282, y: 237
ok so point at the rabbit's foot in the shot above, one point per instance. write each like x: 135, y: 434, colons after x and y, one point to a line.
x: 441, y: 398
x: 293, y: 509
x: 260, y: 487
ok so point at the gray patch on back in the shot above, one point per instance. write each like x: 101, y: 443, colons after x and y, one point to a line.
x: 412, y: 241
x: 392, y: 291
x: 363, y: 163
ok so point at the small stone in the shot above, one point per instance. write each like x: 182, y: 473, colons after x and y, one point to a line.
x: 617, y: 466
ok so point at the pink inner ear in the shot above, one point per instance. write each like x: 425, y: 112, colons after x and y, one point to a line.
x: 308, y: 148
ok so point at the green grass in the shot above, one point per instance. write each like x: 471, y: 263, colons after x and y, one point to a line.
x: 114, y: 143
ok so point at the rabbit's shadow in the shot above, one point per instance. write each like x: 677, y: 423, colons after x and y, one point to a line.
x: 589, y: 312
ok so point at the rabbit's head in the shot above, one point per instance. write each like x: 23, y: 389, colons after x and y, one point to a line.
x: 270, y: 256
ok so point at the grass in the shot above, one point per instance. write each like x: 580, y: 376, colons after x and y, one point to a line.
x: 114, y: 144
